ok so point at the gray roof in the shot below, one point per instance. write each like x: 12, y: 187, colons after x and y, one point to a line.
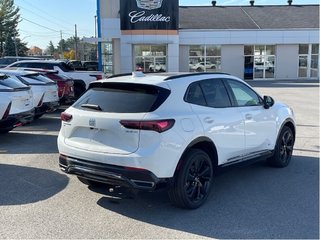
x: 247, y: 17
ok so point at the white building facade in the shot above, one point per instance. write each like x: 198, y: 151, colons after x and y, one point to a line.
x: 251, y: 42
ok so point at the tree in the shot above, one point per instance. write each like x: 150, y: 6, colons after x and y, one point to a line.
x: 9, y: 19
x: 21, y: 48
x: 62, y: 46
x: 9, y: 46
x: 51, y: 49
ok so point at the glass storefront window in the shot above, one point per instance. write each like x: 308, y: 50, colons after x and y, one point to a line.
x: 303, y: 66
x: 107, y: 57
x: 150, y: 58
x: 259, y: 61
x: 212, y: 50
x: 314, y: 65
x: 205, y: 58
x: 270, y: 50
x: 308, y: 61
x: 259, y: 50
x: 196, y: 50
x: 303, y: 49
x: 248, y: 50
x: 315, y: 49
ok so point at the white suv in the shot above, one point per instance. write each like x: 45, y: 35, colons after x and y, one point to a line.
x: 149, y: 131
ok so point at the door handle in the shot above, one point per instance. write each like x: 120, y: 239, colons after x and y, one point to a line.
x: 249, y: 116
x: 208, y: 120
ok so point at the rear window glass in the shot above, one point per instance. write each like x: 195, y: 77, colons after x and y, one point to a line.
x: 37, y: 79
x: 11, y: 83
x: 123, y: 98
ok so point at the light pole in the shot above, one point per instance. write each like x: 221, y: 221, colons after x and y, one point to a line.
x: 95, y: 37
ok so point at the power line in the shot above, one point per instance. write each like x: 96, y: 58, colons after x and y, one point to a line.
x: 53, y: 17
x: 26, y: 9
x: 39, y: 25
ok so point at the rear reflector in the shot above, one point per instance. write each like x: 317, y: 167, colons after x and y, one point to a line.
x: 66, y: 117
x: 6, y: 113
x: 153, y: 125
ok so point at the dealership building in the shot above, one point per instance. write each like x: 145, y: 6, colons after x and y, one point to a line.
x: 251, y: 42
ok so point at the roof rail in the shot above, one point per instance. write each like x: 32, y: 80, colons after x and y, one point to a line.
x: 194, y: 74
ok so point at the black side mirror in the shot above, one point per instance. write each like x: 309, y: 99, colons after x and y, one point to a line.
x: 268, y: 102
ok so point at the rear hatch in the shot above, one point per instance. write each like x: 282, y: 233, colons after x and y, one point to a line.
x: 96, y: 116
x: 19, y: 94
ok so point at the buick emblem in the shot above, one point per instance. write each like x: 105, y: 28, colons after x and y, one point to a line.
x: 92, y: 122
x: 149, y: 4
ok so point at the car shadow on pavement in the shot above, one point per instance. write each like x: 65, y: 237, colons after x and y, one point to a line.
x: 24, y: 143
x: 24, y: 185
x: 254, y: 201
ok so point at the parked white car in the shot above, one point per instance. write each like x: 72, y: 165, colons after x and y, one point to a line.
x: 81, y: 79
x: 45, y: 91
x: 202, y: 66
x: 16, y: 104
x: 149, y: 131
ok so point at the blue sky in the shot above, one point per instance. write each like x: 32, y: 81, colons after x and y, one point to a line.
x: 42, y: 20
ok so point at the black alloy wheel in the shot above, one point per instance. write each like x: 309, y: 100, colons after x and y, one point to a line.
x: 193, y: 181
x: 284, y: 149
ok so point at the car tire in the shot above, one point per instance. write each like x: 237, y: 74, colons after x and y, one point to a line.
x: 38, y: 116
x: 283, y: 150
x: 192, y: 182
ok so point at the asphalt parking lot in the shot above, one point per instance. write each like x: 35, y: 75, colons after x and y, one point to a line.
x: 37, y: 200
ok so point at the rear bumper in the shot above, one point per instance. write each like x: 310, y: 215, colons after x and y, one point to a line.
x: 139, y: 179
x: 47, y: 107
x: 17, y: 119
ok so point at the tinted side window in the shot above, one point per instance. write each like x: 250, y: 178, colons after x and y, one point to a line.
x: 215, y: 93
x: 244, y: 96
x: 195, y: 95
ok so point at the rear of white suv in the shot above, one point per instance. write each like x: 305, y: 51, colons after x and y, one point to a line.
x: 45, y: 91
x: 149, y: 131
x: 17, y: 102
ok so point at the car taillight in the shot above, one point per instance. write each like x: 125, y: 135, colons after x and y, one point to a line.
x: 66, y: 117
x: 6, y: 113
x: 41, y: 101
x: 61, y: 84
x: 98, y: 77
x: 153, y: 125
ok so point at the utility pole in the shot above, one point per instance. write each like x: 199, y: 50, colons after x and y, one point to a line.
x: 76, y: 40
x: 61, y: 45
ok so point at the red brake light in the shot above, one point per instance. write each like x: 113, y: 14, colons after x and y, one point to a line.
x: 155, y: 125
x: 66, y: 117
x: 98, y: 77
x: 6, y: 113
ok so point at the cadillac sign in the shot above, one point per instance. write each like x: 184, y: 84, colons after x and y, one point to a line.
x: 149, y: 14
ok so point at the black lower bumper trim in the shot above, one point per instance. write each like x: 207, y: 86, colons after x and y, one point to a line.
x: 139, y: 179
x: 47, y: 107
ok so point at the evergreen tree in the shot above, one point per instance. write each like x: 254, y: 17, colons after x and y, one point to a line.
x: 9, y: 46
x: 22, y: 48
x: 9, y: 19
x: 51, y: 49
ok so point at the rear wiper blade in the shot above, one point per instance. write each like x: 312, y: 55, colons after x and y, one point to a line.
x: 92, y: 106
